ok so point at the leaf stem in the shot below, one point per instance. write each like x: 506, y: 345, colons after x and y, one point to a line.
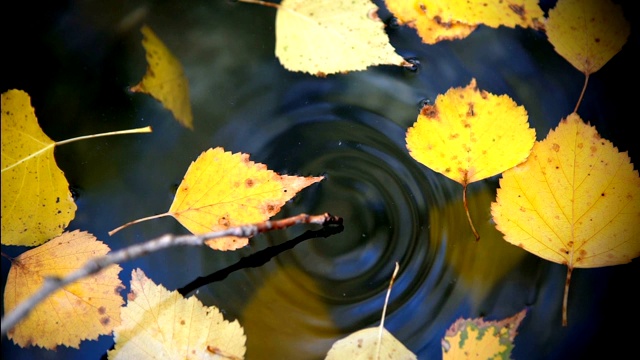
x: 384, y: 310
x: 584, y: 89
x: 137, y: 221
x: 265, y: 3
x: 121, y: 132
x: 466, y: 208
x: 565, y: 300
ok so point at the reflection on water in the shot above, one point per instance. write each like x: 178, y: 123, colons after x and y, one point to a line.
x: 351, y: 129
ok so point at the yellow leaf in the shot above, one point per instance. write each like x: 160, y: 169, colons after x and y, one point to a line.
x: 437, y: 20
x: 324, y: 38
x: 587, y: 33
x: 363, y: 344
x: 469, y: 135
x: 479, y: 339
x: 80, y: 311
x: 159, y: 324
x: 575, y: 201
x: 36, y: 202
x: 165, y: 79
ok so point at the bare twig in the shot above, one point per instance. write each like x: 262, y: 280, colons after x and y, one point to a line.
x: 98, y: 264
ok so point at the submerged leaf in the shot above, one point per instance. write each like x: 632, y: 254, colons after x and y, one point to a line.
x: 165, y: 79
x: 80, y: 311
x: 36, y: 202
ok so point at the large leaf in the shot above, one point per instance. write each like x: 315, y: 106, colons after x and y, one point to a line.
x: 36, y: 202
x: 81, y: 311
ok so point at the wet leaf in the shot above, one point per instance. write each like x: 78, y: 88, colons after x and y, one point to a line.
x: 162, y: 324
x: 436, y: 20
x: 575, y: 201
x: 80, y: 311
x: 222, y: 190
x: 587, y: 33
x: 479, y: 339
x: 36, y: 202
x: 469, y: 135
x: 165, y: 79
x: 323, y: 38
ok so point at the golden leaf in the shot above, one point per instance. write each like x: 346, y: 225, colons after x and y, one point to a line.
x: 363, y: 344
x: 573, y: 202
x: 222, y: 190
x: 80, y: 311
x: 160, y: 324
x: 469, y: 135
x: 326, y: 38
x: 36, y: 202
x: 587, y: 33
x: 479, y: 339
x: 165, y: 79
x: 437, y: 20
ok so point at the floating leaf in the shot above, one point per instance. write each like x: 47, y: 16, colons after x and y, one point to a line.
x: 479, y: 339
x: 324, y: 38
x: 36, y: 202
x: 80, y: 311
x: 575, y: 201
x: 160, y: 324
x: 587, y: 33
x: 469, y: 135
x: 222, y: 190
x: 165, y: 79
x: 437, y: 20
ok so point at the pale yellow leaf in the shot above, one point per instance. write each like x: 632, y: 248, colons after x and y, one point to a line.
x: 363, y: 345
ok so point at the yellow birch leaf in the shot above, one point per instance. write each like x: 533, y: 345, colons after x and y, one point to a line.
x: 323, y: 38
x: 587, y: 33
x: 363, y: 344
x: 575, y: 201
x: 437, y: 20
x: 165, y: 79
x: 222, y: 190
x: 469, y: 135
x: 36, y: 202
x: 162, y: 324
x: 80, y: 311
x: 479, y: 339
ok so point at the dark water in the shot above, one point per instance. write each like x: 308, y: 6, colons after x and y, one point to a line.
x: 294, y: 292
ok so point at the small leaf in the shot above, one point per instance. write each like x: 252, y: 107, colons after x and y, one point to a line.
x: 80, y: 311
x: 479, y: 339
x: 469, y: 135
x: 339, y: 36
x: 160, y: 324
x: 587, y: 33
x: 36, y: 202
x: 362, y: 344
x: 165, y: 79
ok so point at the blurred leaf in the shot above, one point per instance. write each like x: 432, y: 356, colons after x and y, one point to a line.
x: 165, y: 79
x: 80, y: 311
x: 159, y: 324
x: 479, y: 339
x: 363, y: 344
x: 437, y: 20
x: 36, y: 202
x: 327, y: 37
x: 587, y: 33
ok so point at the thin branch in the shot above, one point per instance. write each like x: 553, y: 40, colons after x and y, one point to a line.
x: 98, y: 264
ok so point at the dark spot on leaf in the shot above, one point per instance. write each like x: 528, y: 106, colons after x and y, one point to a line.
x: 429, y: 111
x: 102, y: 310
x: 248, y: 183
x: 105, y: 320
